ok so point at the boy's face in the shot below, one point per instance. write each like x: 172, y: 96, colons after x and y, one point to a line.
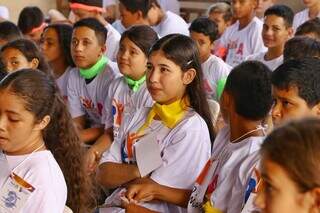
x: 85, y: 47
x: 219, y: 20
x: 127, y: 18
x: 263, y: 5
x: 243, y: 8
x: 289, y: 105
x: 275, y: 32
x: 203, y: 43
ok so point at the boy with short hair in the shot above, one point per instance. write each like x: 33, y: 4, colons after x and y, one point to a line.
x: 245, y: 102
x: 300, y: 47
x: 221, y: 14
x: 31, y: 23
x: 243, y: 38
x: 277, y: 29
x: 88, y: 84
x: 296, y: 90
x: 133, y: 12
x: 310, y: 28
x: 94, y: 9
x: 9, y: 32
x: 215, y: 71
x: 312, y: 11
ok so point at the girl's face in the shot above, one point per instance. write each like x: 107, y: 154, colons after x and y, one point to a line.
x: 166, y: 81
x: 14, y: 60
x: 280, y: 193
x: 50, y: 45
x: 19, y: 133
x: 131, y: 60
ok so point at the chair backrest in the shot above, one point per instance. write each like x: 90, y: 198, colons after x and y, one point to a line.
x: 214, y: 110
x: 67, y: 210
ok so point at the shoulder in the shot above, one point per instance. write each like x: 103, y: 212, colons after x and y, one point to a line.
x: 112, y: 32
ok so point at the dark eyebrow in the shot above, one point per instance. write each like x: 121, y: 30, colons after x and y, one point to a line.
x: 164, y: 65
x: 12, y: 112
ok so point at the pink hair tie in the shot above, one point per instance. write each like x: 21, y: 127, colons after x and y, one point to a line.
x: 86, y: 7
x: 41, y: 27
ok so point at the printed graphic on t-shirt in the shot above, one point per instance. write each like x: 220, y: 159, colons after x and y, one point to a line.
x: 90, y: 107
x: 235, y: 52
x: 127, y: 148
x: 117, y: 113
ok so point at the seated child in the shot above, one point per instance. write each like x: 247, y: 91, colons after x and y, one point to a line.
x: 277, y: 29
x: 9, y: 32
x: 21, y: 54
x: 31, y: 23
x: 94, y: 9
x: 300, y: 47
x: 88, y: 85
x: 312, y: 11
x: 290, y: 169
x: 243, y: 38
x: 310, y: 28
x: 177, y: 129
x: 128, y: 92
x: 245, y: 102
x: 55, y: 45
x: 296, y: 90
x: 215, y: 71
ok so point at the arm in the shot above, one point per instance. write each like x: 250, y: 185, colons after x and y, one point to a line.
x: 145, y: 190
x: 94, y: 154
x: 112, y: 175
x: 87, y: 135
x: 91, y: 134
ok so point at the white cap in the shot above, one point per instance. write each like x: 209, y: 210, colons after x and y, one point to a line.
x: 4, y: 12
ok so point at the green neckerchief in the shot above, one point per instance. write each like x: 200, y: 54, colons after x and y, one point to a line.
x: 220, y: 87
x: 96, y: 69
x: 134, y: 84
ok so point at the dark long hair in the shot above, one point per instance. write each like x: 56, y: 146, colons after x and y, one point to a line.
x: 64, y: 32
x: 295, y: 147
x: 184, y: 52
x: 30, y: 50
x: 42, y: 97
x: 141, y: 35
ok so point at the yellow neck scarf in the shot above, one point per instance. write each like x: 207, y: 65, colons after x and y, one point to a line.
x: 170, y: 114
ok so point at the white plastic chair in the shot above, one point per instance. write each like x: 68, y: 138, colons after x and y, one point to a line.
x: 214, y: 110
x: 67, y: 210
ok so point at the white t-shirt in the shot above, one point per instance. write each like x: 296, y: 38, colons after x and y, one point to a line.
x: 112, y: 42
x: 62, y: 83
x: 228, y: 161
x: 4, y: 12
x: 170, y: 5
x: 89, y: 99
x: 184, y: 150
x: 41, y: 171
x: 300, y: 18
x: 214, y: 69
x: 242, y: 43
x: 172, y: 23
x: 118, y: 26
x: 122, y: 99
x: 272, y: 64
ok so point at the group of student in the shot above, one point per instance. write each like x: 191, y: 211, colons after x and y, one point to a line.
x: 86, y: 108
